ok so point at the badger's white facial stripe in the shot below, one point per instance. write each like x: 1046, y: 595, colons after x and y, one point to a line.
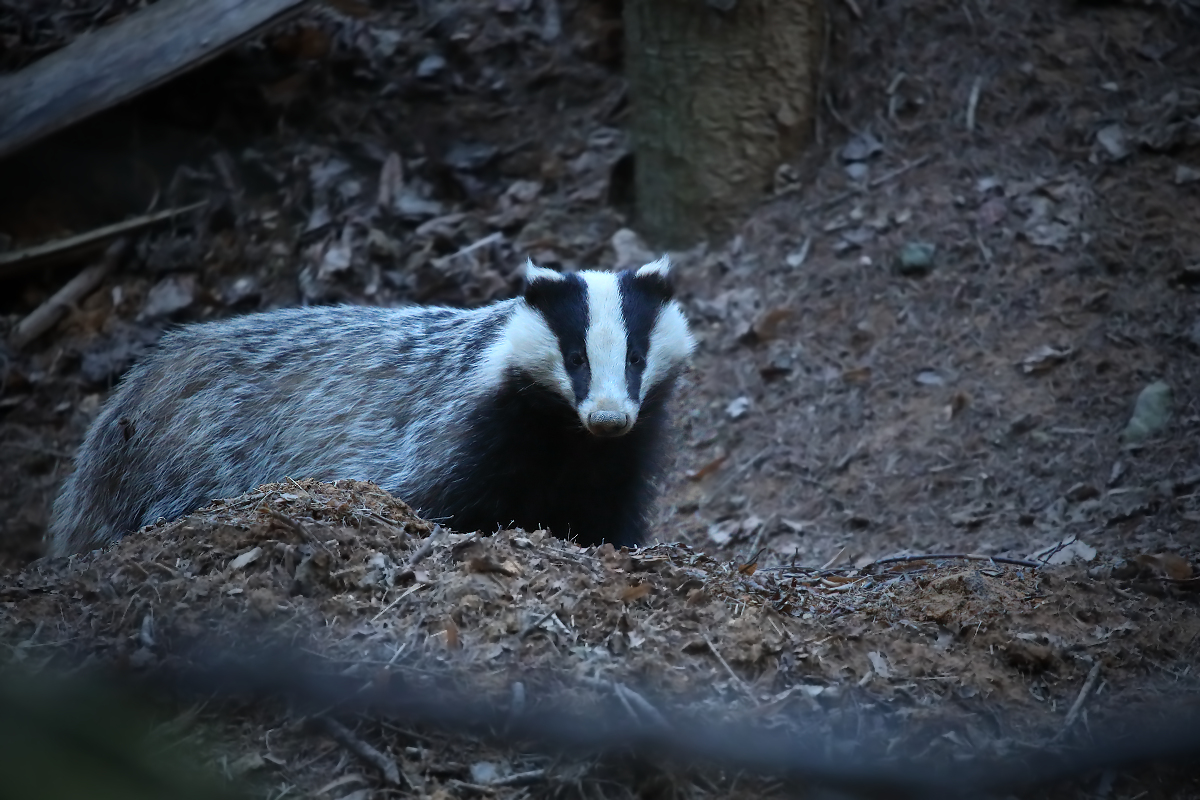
x: 527, y: 343
x: 671, y: 343
x: 606, y: 348
x: 660, y: 268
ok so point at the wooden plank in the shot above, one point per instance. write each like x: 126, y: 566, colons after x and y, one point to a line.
x: 124, y: 59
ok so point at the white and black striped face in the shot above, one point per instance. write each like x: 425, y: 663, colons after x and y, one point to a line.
x: 602, y: 340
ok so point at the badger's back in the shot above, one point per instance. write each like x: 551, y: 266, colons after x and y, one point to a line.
x: 218, y: 408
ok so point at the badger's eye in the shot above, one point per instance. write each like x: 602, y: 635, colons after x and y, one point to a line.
x: 635, y: 360
x: 575, y: 359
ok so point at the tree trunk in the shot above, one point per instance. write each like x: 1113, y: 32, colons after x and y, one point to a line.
x: 720, y: 99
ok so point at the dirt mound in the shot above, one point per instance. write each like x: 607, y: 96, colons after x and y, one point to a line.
x: 348, y: 573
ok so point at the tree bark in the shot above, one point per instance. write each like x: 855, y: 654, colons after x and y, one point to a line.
x: 720, y: 99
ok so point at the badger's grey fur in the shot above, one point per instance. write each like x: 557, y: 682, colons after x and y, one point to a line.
x: 547, y: 409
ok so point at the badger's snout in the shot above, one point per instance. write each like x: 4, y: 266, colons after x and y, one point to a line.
x: 609, y: 423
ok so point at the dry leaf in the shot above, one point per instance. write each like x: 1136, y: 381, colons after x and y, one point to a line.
x: 1167, y: 565
x: 451, y: 629
x: 1044, y: 359
x: 488, y: 564
x: 958, y: 403
x: 857, y: 375
x: 748, y: 569
x: 632, y: 593
x: 708, y: 469
x: 767, y: 325
x: 391, y: 180
x: 880, y: 664
x: 245, y: 558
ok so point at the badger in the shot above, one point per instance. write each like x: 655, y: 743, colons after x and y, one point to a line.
x: 545, y: 410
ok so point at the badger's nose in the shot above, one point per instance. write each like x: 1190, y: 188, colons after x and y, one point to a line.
x: 608, y: 423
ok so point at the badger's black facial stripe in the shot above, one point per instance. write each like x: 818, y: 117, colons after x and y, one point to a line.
x: 563, y: 304
x: 641, y: 300
x: 655, y: 285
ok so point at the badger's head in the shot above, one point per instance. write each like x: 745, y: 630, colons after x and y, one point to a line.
x: 601, y: 340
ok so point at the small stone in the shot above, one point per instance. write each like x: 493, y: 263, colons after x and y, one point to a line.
x: 173, y: 293
x: 1185, y: 174
x: 485, y: 772
x: 1112, y: 139
x: 738, y: 408
x: 430, y: 65
x: 915, y: 259
x: 861, y: 147
x: 1151, y: 413
x: 857, y: 171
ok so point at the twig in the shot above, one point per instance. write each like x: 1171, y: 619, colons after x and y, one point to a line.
x: 48, y: 314
x: 365, y: 752
x: 625, y: 702
x: 838, y: 199
x: 736, y: 473
x: 1020, y: 562
x: 1088, y: 684
x: 533, y: 626
x: 520, y: 778
x: 392, y: 604
x: 843, y: 587
x: 854, y: 9
x: 484, y: 242
x: 736, y: 678
x: 829, y: 563
x: 426, y: 547
x: 973, y: 102
x: 18, y: 260
x: 1044, y: 556
x: 421, y: 553
x: 898, y: 171
x: 643, y: 705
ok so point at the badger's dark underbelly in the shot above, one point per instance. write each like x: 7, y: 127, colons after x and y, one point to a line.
x: 533, y: 465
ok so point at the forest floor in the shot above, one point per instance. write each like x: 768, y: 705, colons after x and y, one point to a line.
x: 930, y: 340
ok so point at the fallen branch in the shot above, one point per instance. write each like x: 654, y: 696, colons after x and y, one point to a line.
x: 1073, y: 714
x: 898, y: 171
x: 114, y: 63
x: 1020, y: 562
x: 424, y: 550
x: 49, y: 313
x: 365, y: 752
x: 62, y: 249
x: 736, y: 678
x: 491, y: 238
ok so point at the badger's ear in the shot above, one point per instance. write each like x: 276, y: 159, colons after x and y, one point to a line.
x: 656, y: 278
x: 543, y: 285
x: 535, y: 274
